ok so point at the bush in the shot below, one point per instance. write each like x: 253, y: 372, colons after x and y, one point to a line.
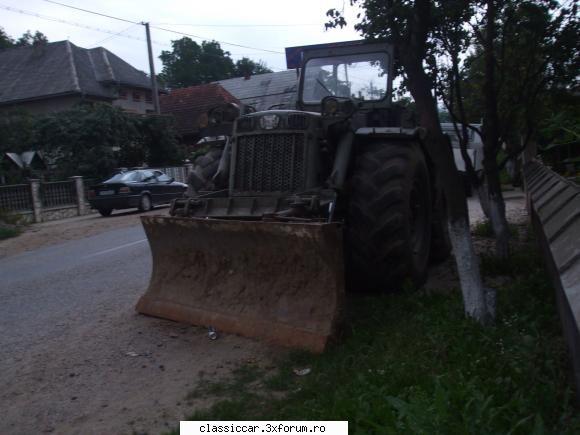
x: 92, y: 139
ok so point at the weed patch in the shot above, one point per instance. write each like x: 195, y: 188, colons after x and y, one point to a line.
x: 8, y: 224
x: 412, y: 363
x: 484, y: 229
x: 7, y: 232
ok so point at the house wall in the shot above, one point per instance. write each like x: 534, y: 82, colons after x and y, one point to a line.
x: 51, y: 105
x: 48, y: 105
x: 134, y: 100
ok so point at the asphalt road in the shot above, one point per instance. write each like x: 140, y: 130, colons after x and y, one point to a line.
x: 47, y: 288
x: 75, y: 357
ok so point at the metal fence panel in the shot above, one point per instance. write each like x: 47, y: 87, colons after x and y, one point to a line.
x: 16, y: 197
x: 58, y: 194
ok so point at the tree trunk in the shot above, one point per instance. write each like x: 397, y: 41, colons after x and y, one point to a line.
x: 474, y: 297
x: 491, y: 138
x: 483, y: 198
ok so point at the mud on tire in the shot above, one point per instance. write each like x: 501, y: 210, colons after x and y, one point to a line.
x: 389, y: 218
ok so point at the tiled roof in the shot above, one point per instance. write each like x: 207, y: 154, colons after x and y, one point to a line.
x: 265, y: 90
x: 187, y: 104
x: 60, y: 68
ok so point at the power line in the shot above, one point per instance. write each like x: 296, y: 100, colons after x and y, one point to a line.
x: 114, y: 36
x: 92, y: 12
x: 159, y: 28
x: 71, y: 23
x: 221, y: 42
x: 236, y: 25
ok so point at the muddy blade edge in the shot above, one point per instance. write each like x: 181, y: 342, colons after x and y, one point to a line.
x: 280, y: 281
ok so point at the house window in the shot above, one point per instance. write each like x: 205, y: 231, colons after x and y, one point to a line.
x: 148, y: 97
x: 122, y: 94
x: 136, y: 96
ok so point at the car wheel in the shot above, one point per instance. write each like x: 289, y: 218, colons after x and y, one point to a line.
x: 145, y: 204
x: 105, y: 212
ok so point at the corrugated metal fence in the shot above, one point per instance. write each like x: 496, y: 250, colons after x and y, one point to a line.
x: 554, y: 205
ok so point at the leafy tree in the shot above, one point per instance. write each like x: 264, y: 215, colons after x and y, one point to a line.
x: 5, y: 40
x: 191, y: 64
x: 92, y: 139
x: 413, y: 28
x: 247, y: 67
x: 17, y: 132
x: 515, y: 50
x: 160, y: 141
x: 26, y: 39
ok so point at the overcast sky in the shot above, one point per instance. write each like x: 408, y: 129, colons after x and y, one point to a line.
x: 267, y: 26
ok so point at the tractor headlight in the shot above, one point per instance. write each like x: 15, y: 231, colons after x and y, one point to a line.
x: 330, y: 106
x: 269, y: 122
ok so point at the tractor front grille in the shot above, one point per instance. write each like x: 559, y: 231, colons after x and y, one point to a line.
x: 272, y: 162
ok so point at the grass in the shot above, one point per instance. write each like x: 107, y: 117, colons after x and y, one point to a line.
x: 484, y: 229
x: 8, y: 224
x: 7, y: 232
x: 412, y: 363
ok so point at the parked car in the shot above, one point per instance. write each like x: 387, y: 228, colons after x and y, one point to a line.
x: 142, y: 189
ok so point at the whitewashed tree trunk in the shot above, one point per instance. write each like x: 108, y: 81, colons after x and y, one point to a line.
x: 478, y: 302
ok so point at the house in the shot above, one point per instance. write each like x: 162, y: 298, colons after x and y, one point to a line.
x: 263, y: 91
x: 55, y: 76
x: 188, y: 104
x: 16, y: 166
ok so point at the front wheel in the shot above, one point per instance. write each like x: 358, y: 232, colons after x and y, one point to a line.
x: 389, y: 217
x: 105, y: 212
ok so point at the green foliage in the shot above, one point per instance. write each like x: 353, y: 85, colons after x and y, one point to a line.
x: 5, y: 40
x: 247, y: 67
x: 189, y: 64
x: 9, y: 224
x: 413, y: 363
x: 8, y: 232
x: 92, y: 139
x: 16, y: 131
x: 27, y: 38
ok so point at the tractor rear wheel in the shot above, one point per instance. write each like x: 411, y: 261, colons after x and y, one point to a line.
x: 389, y: 218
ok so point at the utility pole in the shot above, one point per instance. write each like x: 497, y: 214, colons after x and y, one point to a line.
x: 152, y: 71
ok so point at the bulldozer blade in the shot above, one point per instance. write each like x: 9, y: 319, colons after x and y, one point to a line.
x: 280, y: 281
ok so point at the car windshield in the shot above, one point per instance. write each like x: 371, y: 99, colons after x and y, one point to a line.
x: 360, y: 76
x: 124, y: 177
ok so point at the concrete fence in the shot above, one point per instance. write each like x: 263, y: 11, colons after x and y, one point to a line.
x: 39, y: 201
x: 554, y: 205
x: 42, y: 202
